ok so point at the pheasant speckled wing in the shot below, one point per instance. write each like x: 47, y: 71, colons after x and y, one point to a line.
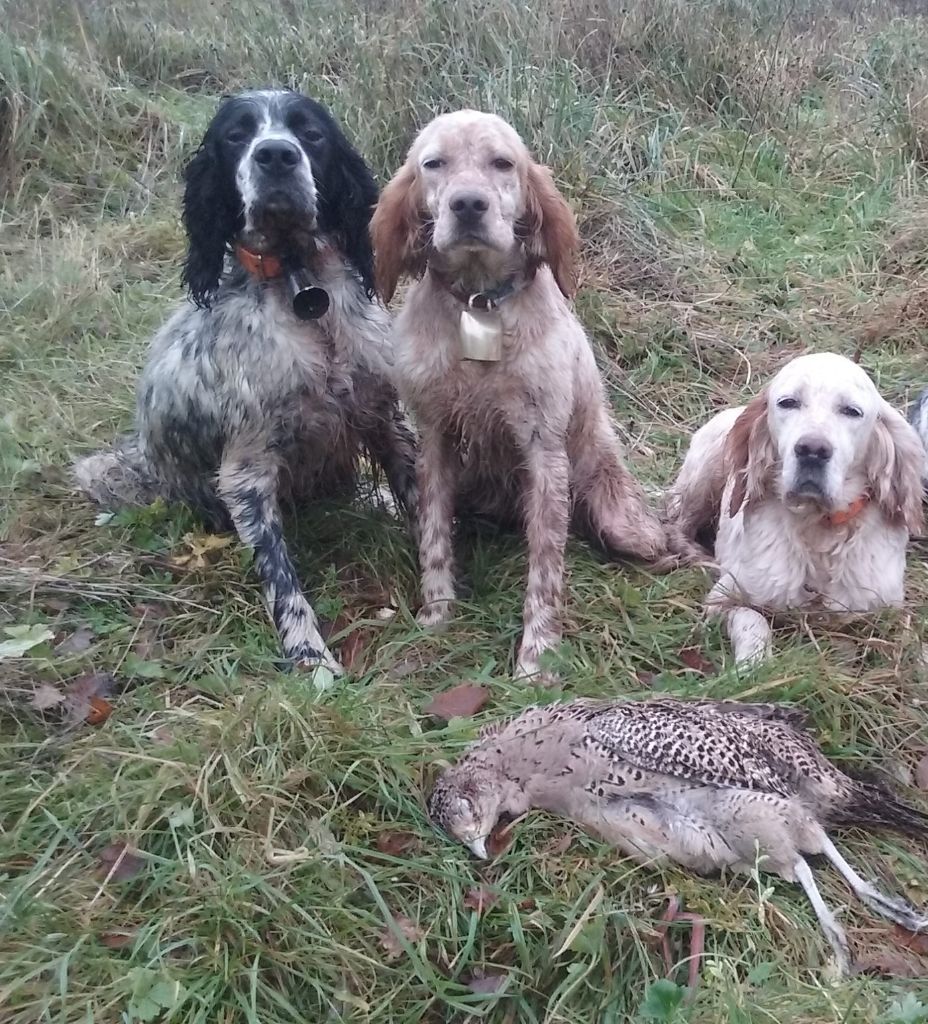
x: 700, y: 741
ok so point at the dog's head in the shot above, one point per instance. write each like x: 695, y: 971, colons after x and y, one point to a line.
x: 275, y: 166
x: 471, y: 196
x: 820, y: 436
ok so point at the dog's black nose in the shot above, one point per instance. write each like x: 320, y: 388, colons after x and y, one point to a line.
x: 277, y: 156
x: 469, y: 207
x: 813, y: 450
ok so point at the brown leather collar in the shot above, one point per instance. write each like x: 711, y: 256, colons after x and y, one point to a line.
x: 489, y: 298
x: 845, y: 515
x: 258, y: 264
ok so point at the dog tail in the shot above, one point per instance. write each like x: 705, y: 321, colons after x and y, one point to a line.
x: 117, y: 477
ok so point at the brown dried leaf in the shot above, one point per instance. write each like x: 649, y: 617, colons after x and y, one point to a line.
x: 353, y: 648
x: 460, y: 701
x: 118, y: 863
x: 100, y: 711
x: 202, y: 549
x: 406, y: 667
x: 487, y: 985
x: 559, y: 845
x: 915, y: 941
x: 480, y: 898
x: 46, y: 696
x: 150, y: 610
x: 78, y: 642
x: 396, y: 843
x: 162, y: 736
x: 499, y: 840
x: 390, y: 942
x: 646, y: 678
x: 893, y: 963
x: 85, y: 698
x: 117, y: 939
x: 921, y: 773
x: 694, y: 659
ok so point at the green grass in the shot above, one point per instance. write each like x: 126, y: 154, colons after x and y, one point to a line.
x: 749, y: 177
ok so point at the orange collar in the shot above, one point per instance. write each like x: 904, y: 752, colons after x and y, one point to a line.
x: 263, y: 267
x: 843, y: 516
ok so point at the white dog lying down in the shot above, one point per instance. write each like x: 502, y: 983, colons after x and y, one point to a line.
x: 814, y: 486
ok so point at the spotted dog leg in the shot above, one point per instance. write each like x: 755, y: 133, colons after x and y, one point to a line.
x: 437, y: 475
x: 547, y: 513
x: 248, y: 487
x: 393, y: 445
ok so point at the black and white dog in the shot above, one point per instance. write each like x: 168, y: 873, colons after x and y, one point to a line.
x: 274, y: 380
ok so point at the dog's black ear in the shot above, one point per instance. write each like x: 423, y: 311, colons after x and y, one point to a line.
x: 348, y: 198
x: 212, y: 216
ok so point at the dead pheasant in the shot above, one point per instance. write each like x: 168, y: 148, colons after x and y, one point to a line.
x: 707, y: 784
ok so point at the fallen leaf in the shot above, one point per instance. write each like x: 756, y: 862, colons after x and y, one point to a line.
x: 150, y: 610
x: 352, y: 649
x: 46, y: 696
x: 694, y: 659
x: 499, y: 840
x: 916, y: 941
x: 396, y: 843
x: 56, y: 604
x: 480, y: 898
x: 390, y: 942
x: 100, y: 711
x: 559, y: 844
x: 487, y: 984
x: 118, y: 863
x: 162, y: 735
x: 86, y: 698
x: 23, y: 639
x: 117, y: 939
x: 921, y: 773
x: 79, y: 641
x: 408, y: 666
x: 645, y: 678
x: 460, y: 701
x: 202, y: 549
x: 893, y: 963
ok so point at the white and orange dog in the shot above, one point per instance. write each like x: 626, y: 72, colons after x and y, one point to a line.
x: 814, y: 488
x: 497, y: 369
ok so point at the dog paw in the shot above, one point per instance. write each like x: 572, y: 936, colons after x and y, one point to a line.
x: 529, y: 671
x: 309, y: 659
x: 435, y: 615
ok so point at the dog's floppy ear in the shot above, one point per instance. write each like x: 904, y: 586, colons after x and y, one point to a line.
x: 396, y: 229
x: 212, y: 217
x: 895, y: 464
x: 749, y: 454
x: 549, y: 228
x: 347, y: 202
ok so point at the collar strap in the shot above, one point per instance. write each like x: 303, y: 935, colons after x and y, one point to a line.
x: 490, y: 298
x: 843, y: 516
x: 259, y: 265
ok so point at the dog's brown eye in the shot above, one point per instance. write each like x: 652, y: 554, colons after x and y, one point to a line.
x: 502, y: 164
x: 788, y: 403
x: 433, y: 164
x: 312, y: 135
x: 237, y: 136
x: 852, y: 411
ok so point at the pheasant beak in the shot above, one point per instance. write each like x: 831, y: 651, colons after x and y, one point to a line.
x: 479, y: 848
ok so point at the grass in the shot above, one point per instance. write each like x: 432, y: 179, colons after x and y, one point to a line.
x: 750, y: 180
